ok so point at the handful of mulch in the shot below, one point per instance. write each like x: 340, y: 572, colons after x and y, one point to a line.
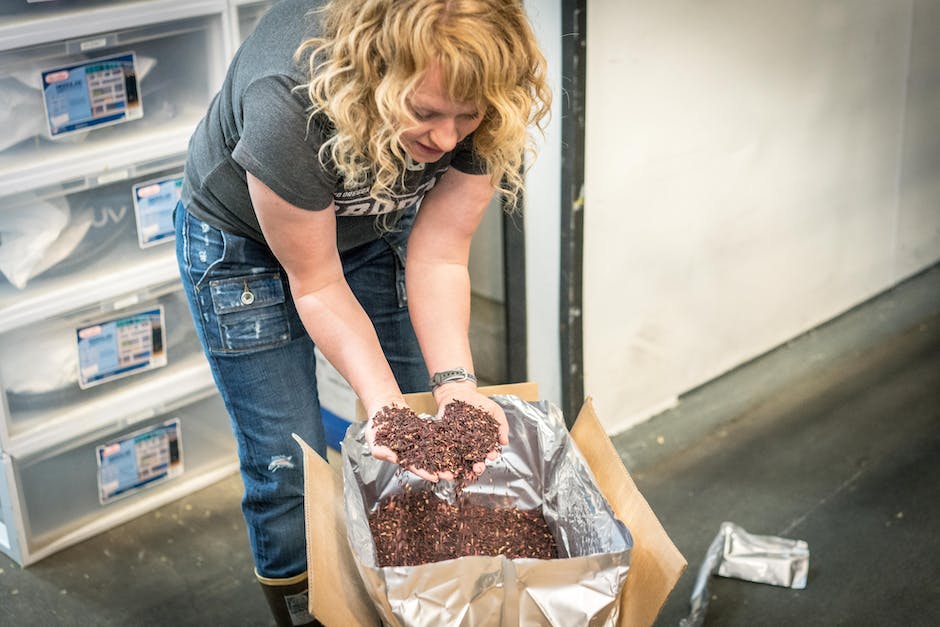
x: 463, y: 436
x: 415, y: 527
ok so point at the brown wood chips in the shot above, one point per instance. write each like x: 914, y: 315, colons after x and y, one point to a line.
x: 415, y: 527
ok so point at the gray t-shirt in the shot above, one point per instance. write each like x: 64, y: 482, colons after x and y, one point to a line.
x: 259, y: 123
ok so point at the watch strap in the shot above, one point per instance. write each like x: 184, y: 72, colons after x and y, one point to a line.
x: 449, y: 376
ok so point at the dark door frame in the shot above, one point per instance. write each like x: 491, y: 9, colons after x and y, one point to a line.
x: 574, y: 53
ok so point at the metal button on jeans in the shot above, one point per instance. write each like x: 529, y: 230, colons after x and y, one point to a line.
x: 247, y: 296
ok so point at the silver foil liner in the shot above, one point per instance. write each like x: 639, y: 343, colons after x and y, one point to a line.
x: 541, y: 467
x: 738, y: 554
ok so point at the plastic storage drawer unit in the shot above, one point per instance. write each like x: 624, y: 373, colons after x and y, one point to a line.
x: 66, y: 494
x: 76, y: 372
x: 99, y: 100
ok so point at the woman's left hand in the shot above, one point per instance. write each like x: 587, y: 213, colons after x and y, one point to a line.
x: 467, y: 392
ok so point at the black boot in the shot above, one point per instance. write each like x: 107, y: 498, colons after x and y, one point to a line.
x: 287, y: 599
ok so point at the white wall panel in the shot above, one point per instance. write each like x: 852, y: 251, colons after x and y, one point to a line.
x: 543, y: 218
x: 486, y: 254
x: 752, y: 170
x: 919, y: 184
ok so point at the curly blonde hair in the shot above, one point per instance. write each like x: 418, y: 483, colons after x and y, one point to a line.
x: 372, y: 54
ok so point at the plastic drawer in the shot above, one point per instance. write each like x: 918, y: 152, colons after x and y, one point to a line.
x: 41, y: 379
x: 338, y: 401
x: 75, y: 243
x: 175, y: 78
x: 248, y: 14
x: 23, y: 10
x: 59, y: 493
x: 6, y: 545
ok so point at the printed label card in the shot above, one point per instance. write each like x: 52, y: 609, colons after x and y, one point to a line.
x: 139, y: 460
x: 121, y: 346
x: 154, y: 202
x: 91, y: 94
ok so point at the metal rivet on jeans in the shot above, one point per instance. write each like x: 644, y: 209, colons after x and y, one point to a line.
x: 247, y: 296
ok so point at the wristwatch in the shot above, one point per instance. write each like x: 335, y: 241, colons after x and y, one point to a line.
x: 448, y: 376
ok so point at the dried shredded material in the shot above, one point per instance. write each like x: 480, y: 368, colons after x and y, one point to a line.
x: 415, y: 527
x: 461, y: 438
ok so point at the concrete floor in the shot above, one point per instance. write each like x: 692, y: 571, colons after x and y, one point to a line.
x: 833, y: 439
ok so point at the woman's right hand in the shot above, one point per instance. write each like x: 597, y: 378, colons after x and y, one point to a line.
x: 385, y: 453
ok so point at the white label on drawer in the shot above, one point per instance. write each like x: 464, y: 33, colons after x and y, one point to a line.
x: 139, y: 460
x: 93, y: 44
x: 154, y: 202
x: 91, y: 94
x: 118, y: 347
x: 127, y: 301
x: 4, y: 538
x: 112, y: 177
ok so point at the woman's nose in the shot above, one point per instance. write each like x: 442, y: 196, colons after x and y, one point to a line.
x: 445, y: 135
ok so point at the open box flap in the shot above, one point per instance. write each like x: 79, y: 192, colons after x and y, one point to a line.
x: 337, y: 595
x: 655, y: 563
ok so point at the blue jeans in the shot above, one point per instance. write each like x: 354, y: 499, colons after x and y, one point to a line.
x: 264, y: 366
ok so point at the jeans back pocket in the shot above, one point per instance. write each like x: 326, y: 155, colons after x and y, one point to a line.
x: 251, y: 311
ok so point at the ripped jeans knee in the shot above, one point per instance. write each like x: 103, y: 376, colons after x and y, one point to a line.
x: 279, y: 462
x: 274, y: 513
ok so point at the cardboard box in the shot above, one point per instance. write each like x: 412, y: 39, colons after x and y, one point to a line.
x: 337, y: 595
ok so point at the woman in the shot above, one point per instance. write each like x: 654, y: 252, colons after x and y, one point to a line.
x: 301, y: 192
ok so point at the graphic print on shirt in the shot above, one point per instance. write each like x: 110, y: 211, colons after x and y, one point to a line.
x: 358, y: 202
